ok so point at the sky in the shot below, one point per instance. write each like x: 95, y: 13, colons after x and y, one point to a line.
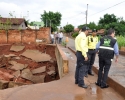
x: 73, y: 11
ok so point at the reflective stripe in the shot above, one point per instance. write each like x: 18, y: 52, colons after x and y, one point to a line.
x: 109, y: 48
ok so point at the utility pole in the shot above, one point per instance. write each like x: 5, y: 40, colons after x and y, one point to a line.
x: 86, y: 14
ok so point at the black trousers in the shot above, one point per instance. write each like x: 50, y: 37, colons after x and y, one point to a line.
x: 104, y: 64
x: 81, y: 68
x: 92, y: 54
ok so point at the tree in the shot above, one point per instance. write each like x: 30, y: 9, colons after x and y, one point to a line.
x: 6, y: 26
x: 31, y: 23
x: 51, y: 19
x: 108, y: 19
x: 80, y: 26
x: 68, y: 28
x: 92, y: 25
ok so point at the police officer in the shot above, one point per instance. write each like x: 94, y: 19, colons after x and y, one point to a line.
x: 82, y: 58
x: 107, y: 47
x: 92, y: 41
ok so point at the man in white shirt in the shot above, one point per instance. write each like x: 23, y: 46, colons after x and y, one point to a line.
x: 60, y: 37
x: 52, y: 38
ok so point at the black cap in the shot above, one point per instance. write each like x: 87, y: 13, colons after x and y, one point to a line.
x: 94, y: 30
x: 85, y: 28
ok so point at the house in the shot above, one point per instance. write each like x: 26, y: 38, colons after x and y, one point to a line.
x: 13, y: 23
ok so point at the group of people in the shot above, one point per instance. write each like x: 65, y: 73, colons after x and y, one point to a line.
x: 87, y: 46
x: 56, y: 38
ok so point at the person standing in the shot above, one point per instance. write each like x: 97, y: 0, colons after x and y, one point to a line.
x: 52, y: 38
x: 107, y: 47
x: 92, y: 41
x: 82, y: 57
x: 60, y: 37
x: 56, y: 38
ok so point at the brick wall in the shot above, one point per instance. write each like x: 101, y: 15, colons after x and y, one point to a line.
x: 28, y: 36
x: 14, y: 36
x: 3, y: 38
x: 44, y: 33
x: 25, y: 36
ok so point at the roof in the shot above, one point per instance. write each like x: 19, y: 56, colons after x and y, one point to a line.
x: 41, y: 24
x: 13, y: 21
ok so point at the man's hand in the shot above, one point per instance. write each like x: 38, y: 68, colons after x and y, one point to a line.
x: 86, y: 58
x: 116, y: 60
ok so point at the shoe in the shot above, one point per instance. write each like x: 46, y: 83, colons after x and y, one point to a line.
x: 83, y: 86
x: 98, y: 84
x: 91, y: 74
x: 106, y: 86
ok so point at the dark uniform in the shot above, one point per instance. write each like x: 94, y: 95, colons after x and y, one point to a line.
x: 92, y: 41
x: 107, y: 47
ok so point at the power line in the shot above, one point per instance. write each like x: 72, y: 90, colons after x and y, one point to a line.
x: 106, y: 8
x: 72, y: 16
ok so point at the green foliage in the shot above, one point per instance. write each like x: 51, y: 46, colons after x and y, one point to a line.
x: 75, y: 34
x: 27, y: 21
x: 51, y: 19
x: 121, y: 41
x: 111, y: 21
x: 99, y: 37
x: 81, y: 26
x: 108, y: 19
x: 31, y: 24
x: 7, y: 25
x: 64, y: 43
x: 92, y: 25
x: 68, y: 28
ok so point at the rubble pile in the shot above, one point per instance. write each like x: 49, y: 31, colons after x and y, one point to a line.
x: 27, y: 64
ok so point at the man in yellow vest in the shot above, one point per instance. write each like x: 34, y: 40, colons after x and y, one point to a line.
x: 92, y: 41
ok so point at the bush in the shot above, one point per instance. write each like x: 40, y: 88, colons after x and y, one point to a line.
x: 75, y: 34
x: 121, y: 41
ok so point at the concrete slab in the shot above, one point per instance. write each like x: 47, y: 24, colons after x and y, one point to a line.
x: 36, y: 55
x: 38, y: 79
x: 51, y: 72
x: 10, y: 55
x: 17, y: 66
x: 17, y: 73
x: 16, y: 48
x: 39, y: 70
x: 26, y: 73
x: 15, y: 84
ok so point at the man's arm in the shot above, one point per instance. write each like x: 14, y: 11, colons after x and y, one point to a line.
x: 97, y: 46
x: 116, y: 51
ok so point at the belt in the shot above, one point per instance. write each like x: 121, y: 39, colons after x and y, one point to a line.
x: 91, y: 49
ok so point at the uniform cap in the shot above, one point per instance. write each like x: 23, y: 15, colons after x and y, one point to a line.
x: 94, y: 30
